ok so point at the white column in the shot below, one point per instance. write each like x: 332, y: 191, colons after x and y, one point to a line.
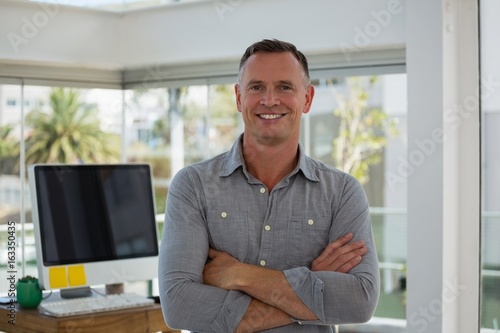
x: 443, y: 148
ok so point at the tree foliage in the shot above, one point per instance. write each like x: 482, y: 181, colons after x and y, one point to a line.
x: 363, y: 130
x: 9, y: 150
x: 69, y: 133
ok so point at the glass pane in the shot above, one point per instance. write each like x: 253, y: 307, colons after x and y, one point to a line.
x: 68, y: 125
x: 61, y: 125
x: 358, y: 125
x: 173, y: 127
x: 490, y: 228
x: 10, y: 183
x: 146, y: 137
x: 224, y: 123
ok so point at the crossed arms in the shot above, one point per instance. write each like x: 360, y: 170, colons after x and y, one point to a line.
x: 274, y: 302
x: 229, y: 295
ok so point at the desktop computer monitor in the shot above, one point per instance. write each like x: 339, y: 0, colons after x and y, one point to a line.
x: 94, y: 224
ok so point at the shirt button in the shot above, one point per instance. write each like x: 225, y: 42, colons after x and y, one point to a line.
x: 223, y: 215
x: 267, y: 227
x: 263, y: 263
x: 310, y: 222
x: 262, y: 190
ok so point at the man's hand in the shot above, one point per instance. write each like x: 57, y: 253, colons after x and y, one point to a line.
x: 224, y: 271
x: 219, y: 271
x: 340, y: 255
x: 270, y: 287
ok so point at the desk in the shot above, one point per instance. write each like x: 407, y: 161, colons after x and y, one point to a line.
x: 144, y: 319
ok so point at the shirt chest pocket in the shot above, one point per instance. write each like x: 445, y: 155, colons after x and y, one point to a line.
x: 229, y: 232
x: 307, y: 238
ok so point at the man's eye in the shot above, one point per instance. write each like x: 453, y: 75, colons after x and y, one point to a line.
x: 256, y: 87
x: 286, y: 87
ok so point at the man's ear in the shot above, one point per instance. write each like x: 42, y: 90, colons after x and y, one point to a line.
x: 309, y: 98
x: 237, y: 94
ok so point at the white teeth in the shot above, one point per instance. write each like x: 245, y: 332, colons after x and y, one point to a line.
x: 270, y: 116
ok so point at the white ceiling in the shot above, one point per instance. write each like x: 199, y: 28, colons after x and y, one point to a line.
x: 190, y: 38
x: 114, y: 5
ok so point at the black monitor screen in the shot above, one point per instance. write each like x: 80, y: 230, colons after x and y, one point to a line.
x: 90, y: 213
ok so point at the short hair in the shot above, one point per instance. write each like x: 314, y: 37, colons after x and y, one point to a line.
x: 274, y: 46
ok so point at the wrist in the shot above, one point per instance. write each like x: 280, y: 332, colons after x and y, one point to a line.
x: 241, y: 275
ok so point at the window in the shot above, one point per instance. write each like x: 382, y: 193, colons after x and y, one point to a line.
x: 10, y: 184
x: 381, y: 140
x: 170, y: 127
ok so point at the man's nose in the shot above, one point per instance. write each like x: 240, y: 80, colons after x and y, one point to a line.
x: 270, y: 98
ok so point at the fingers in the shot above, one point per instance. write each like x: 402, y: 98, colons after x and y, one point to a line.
x: 334, y: 246
x: 340, y: 262
x: 220, y: 256
x: 340, y: 256
x: 212, y: 253
x: 354, y: 261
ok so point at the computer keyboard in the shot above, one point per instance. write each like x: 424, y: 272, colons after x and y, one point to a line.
x: 85, y: 305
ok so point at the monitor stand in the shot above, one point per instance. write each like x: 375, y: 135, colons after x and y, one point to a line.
x: 116, y: 288
x: 76, y: 292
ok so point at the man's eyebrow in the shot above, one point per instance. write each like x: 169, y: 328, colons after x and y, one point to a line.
x: 254, y: 82
x: 287, y: 82
x: 279, y: 82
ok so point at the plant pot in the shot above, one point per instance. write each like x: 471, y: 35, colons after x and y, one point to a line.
x: 29, y: 294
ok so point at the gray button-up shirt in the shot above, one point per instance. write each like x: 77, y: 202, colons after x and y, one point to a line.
x: 216, y: 203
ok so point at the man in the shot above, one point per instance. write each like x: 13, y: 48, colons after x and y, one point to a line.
x: 264, y: 238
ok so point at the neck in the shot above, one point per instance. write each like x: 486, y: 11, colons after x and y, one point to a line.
x: 270, y: 163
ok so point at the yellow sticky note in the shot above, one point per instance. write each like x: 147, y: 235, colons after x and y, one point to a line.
x: 57, y: 277
x: 76, y: 276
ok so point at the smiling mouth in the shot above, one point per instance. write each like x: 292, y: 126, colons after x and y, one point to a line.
x: 271, y: 116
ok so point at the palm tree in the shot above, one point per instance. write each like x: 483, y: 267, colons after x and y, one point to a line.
x: 70, y: 133
x: 9, y: 151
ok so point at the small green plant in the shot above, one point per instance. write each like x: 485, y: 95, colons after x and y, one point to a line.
x: 27, y: 278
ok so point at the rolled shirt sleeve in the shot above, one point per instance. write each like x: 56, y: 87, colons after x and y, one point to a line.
x: 187, y: 303
x: 230, y: 314
x: 337, y: 298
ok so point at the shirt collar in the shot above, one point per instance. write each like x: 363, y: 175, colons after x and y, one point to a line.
x: 234, y: 160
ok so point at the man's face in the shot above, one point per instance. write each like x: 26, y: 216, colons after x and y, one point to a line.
x: 272, y: 96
